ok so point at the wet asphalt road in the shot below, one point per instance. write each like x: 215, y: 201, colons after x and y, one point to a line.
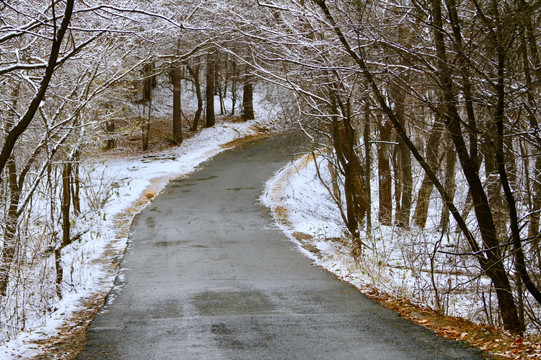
x: 207, y: 276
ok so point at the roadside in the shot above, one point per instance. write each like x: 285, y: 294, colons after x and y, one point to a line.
x: 315, y: 227
x: 69, y: 337
x: 137, y: 180
x: 207, y: 276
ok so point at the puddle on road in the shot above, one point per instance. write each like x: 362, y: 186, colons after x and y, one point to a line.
x: 178, y: 243
x: 166, y: 309
x: 184, y: 182
x: 149, y: 222
x: 211, y: 303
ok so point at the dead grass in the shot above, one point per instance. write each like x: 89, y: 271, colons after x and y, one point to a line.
x: 495, y: 342
x: 129, y: 139
x: 72, y: 338
x: 246, y: 140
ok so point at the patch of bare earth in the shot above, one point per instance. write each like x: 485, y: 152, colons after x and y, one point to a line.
x: 129, y: 139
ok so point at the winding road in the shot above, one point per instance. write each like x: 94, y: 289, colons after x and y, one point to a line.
x: 207, y: 276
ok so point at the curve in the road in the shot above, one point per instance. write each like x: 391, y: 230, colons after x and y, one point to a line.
x: 207, y: 276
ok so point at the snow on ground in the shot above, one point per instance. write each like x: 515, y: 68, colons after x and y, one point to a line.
x: 307, y: 204
x: 395, y: 261
x: 306, y: 213
x: 127, y: 184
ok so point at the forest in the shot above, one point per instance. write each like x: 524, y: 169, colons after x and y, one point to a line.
x: 423, y: 116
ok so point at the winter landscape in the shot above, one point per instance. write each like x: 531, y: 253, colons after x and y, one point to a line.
x: 415, y: 171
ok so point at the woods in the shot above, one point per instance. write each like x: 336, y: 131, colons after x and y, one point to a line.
x: 432, y: 70
x: 427, y: 111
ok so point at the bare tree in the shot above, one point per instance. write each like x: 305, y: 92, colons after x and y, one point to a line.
x: 16, y: 131
x: 209, y: 92
x: 462, y: 82
x: 176, y: 78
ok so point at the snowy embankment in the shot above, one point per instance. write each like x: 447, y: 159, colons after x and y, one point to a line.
x: 305, y: 212
x: 127, y: 185
x: 395, y: 261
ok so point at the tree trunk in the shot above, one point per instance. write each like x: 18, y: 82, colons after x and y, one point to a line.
x: 177, y: 109
x: 234, y: 77
x: 76, y: 183
x: 148, y: 85
x: 59, y: 271
x: 149, y: 81
x: 145, y: 127
x: 211, y: 74
x: 493, y: 186
x: 194, y: 73
x: 397, y: 175
x: 221, y: 85
x: 449, y: 184
x: 110, y: 131
x: 404, y: 165
x: 66, y: 225
x: 432, y: 150
x: 494, y: 263
x: 66, y: 204
x: 344, y: 144
x: 385, y: 214
x: 248, y: 99
x: 533, y: 229
x: 221, y: 99
x: 367, y: 168
x: 407, y: 186
x: 10, y: 232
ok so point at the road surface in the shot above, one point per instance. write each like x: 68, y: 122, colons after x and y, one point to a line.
x: 207, y: 276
